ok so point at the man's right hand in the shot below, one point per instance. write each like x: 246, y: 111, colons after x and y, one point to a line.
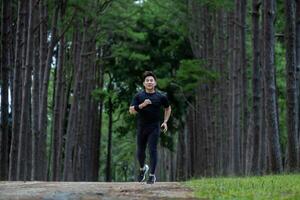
x: 146, y: 103
x: 132, y: 110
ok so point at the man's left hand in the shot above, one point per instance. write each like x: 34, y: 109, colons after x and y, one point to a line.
x: 164, y: 127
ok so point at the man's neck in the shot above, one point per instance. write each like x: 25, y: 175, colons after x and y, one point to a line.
x: 150, y: 91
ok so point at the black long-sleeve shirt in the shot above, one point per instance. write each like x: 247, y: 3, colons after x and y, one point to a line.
x: 151, y: 113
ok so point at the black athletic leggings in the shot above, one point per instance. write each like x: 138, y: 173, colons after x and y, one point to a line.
x: 148, y: 134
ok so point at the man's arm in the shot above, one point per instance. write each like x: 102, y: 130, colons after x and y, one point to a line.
x: 166, y: 118
x: 134, y: 109
x: 167, y: 114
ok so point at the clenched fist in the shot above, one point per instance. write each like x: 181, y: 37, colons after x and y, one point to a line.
x: 146, y: 102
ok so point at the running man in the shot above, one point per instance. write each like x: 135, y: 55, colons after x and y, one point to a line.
x: 147, y: 105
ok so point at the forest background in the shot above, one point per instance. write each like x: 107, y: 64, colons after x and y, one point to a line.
x: 69, y: 69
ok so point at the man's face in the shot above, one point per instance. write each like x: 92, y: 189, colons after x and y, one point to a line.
x: 149, y: 83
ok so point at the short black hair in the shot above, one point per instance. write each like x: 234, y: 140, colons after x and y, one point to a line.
x: 148, y: 73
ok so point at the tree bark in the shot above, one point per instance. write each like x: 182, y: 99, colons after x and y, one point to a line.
x: 69, y: 161
x: 35, y: 88
x: 298, y: 73
x: 237, y: 94
x: 41, y: 167
x: 58, y: 112
x: 5, y: 71
x: 244, y: 85
x: 38, y: 72
x: 23, y: 157
x: 17, y: 84
x: 290, y: 39
x: 256, y: 87
x: 271, y: 109
x: 97, y: 132
x: 109, y: 142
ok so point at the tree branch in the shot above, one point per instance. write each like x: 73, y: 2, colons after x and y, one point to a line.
x: 66, y: 28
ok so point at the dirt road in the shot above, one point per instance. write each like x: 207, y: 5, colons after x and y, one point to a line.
x: 93, y: 191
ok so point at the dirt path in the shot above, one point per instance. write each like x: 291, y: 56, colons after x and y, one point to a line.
x: 93, y: 191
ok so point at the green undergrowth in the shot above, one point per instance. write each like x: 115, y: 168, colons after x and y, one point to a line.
x: 257, y: 187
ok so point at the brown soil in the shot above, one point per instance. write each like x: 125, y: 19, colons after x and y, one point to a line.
x: 93, y: 191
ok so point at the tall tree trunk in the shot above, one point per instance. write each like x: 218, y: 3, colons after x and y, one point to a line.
x: 5, y: 70
x: 82, y: 132
x: 271, y: 110
x: 17, y: 84
x: 221, y: 88
x: 38, y: 72
x: 35, y: 88
x: 263, y: 135
x: 181, y: 165
x: 55, y: 151
x: 28, y: 161
x: 109, y: 142
x: 256, y: 87
x: 23, y: 150
x: 227, y: 97
x: 249, y: 147
x: 298, y: 73
x: 69, y: 161
x: 58, y: 111
x: 244, y: 84
x: 92, y: 105
x: 41, y: 165
x: 223, y: 70
x: 237, y: 93
x: 290, y: 38
x: 208, y: 48
x: 96, y: 142
x: 263, y: 142
x: 231, y: 91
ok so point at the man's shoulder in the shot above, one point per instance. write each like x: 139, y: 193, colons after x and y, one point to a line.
x: 161, y: 93
x: 140, y: 93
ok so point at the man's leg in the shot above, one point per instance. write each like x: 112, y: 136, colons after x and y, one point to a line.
x: 141, y: 146
x: 152, y: 145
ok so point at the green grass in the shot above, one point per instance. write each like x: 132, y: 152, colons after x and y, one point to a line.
x: 260, y: 187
